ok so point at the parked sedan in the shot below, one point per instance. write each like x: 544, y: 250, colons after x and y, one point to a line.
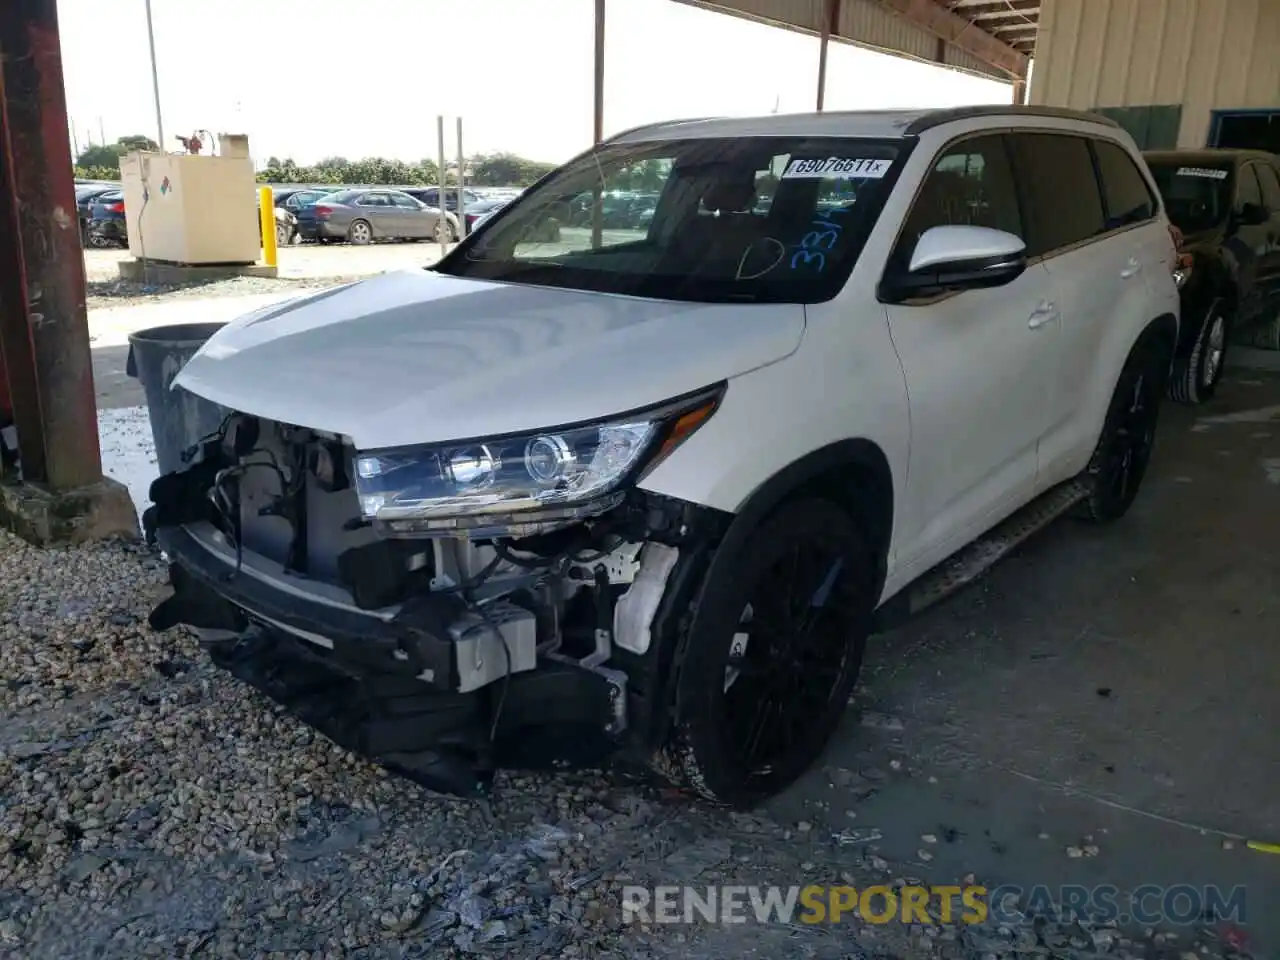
x: 545, y: 230
x: 431, y: 197
x: 86, y: 194
x: 294, y: 199
x: 362, y: 216
x: 106, y: 220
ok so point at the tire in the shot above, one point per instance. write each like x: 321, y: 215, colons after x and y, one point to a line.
x: 360, y: 233
x: 1120, y: 461
x: 1195, y: 378
x: 282, y: 235
x: 443, y: 232
x: 744, y: 657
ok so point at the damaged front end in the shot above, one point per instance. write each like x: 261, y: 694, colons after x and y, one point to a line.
x: 444, y: 611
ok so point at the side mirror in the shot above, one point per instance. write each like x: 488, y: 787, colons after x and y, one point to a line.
x: 1251, y: 215
x: 951, y: 258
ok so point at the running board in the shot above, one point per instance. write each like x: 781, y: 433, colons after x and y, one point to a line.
x: 963, y: 567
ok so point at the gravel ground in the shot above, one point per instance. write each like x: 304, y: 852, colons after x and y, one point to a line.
x: 124, y: 293
x: 150, y: 805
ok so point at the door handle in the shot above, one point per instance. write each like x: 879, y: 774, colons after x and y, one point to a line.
x: 1132, y: 268
x: 1047, y: 312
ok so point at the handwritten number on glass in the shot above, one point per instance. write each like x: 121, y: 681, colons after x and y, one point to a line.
x: 810, y: 252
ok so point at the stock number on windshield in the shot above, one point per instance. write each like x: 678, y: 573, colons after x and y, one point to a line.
x: 811, y: 252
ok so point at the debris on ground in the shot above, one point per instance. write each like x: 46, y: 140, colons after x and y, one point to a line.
x: 153, y: 806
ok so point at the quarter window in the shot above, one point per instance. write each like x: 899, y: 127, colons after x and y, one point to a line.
x: 971, y: 184
x: 1064, y: 204
x: 1125, y: 191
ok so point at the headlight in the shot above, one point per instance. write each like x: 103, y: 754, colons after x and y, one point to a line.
x: 533, y: 481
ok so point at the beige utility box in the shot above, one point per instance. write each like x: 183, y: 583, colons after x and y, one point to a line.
x: 188, y: 209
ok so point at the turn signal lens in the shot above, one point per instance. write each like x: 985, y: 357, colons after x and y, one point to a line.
x: 683, y: 428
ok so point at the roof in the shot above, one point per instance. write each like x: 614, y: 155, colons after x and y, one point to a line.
x: 873, y: 124
x: 994, y: 38
x: 1206, y: 155
x: 1015, y: 22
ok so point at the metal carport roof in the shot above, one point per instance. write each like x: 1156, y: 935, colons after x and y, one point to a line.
x: 990, y: 38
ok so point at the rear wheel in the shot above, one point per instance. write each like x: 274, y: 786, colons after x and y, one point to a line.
x: 360, y: 232
x: 1128, y: 435
x: 767, y: 678
x: 1195, y: 378
x: 443, y: 232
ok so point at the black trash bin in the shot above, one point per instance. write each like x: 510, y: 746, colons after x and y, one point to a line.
x: 178, y: 417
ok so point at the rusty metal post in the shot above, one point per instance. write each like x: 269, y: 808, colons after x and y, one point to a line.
x: 597, y: 194
x: 830, y: 24
x: 44, y: 327
x: 598, y: 116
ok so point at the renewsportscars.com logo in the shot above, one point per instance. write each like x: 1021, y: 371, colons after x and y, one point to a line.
x: 1148, y: 904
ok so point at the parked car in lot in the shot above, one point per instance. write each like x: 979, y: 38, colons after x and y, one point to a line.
x: 1226, y: 203
x: 431, y: 197
x: 294, y: 199
x: 652, y: 490
x: 362, y: 216
x: 546, y: 230
x: 106, y: 225
x: 86, y: 194
x: 286, y: 227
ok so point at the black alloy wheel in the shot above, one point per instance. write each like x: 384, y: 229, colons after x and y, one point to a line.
x: 766, y: 682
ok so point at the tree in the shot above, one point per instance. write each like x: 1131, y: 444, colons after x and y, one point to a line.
x: 506, y: 170
x: 109, y: 154
x: 137, y: 142
x: 495, y: 170
x: 99, y: 155
x: 339, y: 170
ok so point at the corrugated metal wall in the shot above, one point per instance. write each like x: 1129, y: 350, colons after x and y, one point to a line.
x: 1203, y: 54
x: 862, y: 22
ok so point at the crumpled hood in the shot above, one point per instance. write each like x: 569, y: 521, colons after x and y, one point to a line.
x: 418, y: 357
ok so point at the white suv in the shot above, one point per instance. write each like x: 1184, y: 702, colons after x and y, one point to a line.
x: 650, y: 485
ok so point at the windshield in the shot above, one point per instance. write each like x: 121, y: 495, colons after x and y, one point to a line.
x: 747, y: 218
x: 1196, y: 197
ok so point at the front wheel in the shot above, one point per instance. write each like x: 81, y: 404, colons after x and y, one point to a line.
x: 779, y: 644
x: 1120, y: 461
x: 1195, y: 378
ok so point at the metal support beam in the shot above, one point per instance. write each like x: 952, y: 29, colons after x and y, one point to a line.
x: 597, y: 196
x: 1019, y: 92
x: 44, y: 327
x: 960, y: 33
x: 599, y: 71
x: 830, y: 25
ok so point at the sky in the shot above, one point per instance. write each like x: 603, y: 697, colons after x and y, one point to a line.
x: 313, y: 78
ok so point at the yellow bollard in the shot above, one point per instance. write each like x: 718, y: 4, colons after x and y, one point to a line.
x: 267, y: 210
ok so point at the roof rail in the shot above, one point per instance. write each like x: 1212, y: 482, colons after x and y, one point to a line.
x: 936, y: 118
x: 653, y: 126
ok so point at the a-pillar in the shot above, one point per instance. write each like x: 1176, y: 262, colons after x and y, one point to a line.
x: 44, y: 329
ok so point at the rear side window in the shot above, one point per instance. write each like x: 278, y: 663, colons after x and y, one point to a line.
x: 1270, y: 187
x: 1124, y: 190
x: 971, y: 184
x: 1064, y: 205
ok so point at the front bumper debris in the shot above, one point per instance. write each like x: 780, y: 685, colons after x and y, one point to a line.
x: 386, y: 688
